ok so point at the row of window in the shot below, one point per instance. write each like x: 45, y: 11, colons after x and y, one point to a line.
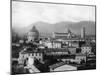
x: 86, y: 51
x: 86, y: 47
x: 35, y: 54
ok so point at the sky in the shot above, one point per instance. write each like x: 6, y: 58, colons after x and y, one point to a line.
x: 26, y: 13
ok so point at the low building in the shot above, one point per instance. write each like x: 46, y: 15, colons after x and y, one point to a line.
x: 48, y: 44
x: 21, y: 41
x: 56, y: 52
x: 41, y: 46
x: 56, y: 44
x: 86, y: 49
x: 62, y: 66
x: 72, y: 50
x: 79, y: 58
x: 29, y: 55
x: 75, y: 44
x: 51, y: 44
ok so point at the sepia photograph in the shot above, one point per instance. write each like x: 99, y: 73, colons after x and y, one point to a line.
x: 52, y: 37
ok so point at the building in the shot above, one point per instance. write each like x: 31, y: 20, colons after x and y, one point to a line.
x: 48, y: 44
x: 72, y: 50
x: 56, y: 52
x: 51, y: 44
x: 28, y: 56
x: 33, y: 34
x: 86, y: 49
x: 57, y: 44
x: 75, y: 44
x: 83, y: 32
x: 61, y: 66
x: 79, y: 58
x: 63, y: 35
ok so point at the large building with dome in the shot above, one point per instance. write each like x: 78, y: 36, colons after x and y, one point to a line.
x: 33, y: 34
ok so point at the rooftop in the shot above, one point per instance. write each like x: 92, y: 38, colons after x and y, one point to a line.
x: 57, y: 65
x: 57, y: 50
x: 63, y: 66
x: 32, y: 50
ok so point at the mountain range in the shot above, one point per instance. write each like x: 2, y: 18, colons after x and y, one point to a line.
x: 47, y: 28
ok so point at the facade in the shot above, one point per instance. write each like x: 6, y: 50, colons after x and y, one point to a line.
x: 64, y: 35
x: 29, y: 56
x: 48, y: 44
x: 72, y: 50
x: 79, y: 58
x: 86, y: 49
x: 75, y: 44
x: 56, y: 52
x: 33, y: 34
x: 57, y: 44
x: 51, y: 44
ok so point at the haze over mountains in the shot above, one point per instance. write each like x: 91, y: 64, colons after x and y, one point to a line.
x: 47, y: 28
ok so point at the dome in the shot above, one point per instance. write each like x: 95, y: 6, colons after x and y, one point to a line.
x: 33, y: 34
x: 34, y: 29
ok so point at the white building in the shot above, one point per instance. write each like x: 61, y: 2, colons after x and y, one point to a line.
x: 28, y: 56
x: 65, y: 35
x: 51, y: 44
x: 56, y: 44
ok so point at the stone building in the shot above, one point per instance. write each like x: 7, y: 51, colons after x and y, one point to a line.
x: 33, y: 34
x: 86, y: 49
x: 64, y: 35
x: 28, y: 56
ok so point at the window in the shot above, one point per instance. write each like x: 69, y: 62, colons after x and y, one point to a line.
x: 23, y: 56
x: 39, y: 59
x: 29, y: 54
x: 77, y: 58
x: 33, y: 54
x: 39, y: 54
x: 36, y: 54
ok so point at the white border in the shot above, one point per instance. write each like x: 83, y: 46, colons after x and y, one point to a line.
x: 5, y: 37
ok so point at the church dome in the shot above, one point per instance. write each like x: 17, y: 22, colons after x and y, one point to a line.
x: 34, y: 29
x: 33, y: 34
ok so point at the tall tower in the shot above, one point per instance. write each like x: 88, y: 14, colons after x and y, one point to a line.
x: 83, y: 32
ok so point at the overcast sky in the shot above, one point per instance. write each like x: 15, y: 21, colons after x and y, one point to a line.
x: 26, y: 13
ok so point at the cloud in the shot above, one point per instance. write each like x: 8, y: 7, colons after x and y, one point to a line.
x: 26, y: 13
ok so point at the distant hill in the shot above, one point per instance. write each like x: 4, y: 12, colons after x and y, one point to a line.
x: 47, y: 28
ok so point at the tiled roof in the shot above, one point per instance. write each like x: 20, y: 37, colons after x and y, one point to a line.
x: 31, y: 50
x: 56, y: 50
x: 57, y: 65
